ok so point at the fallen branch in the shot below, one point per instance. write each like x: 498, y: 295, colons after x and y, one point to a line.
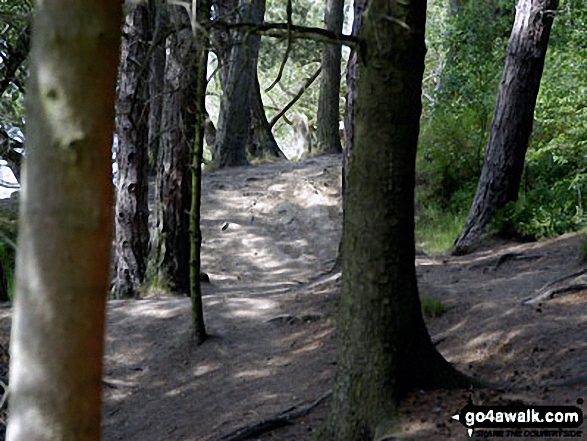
x: 280, y: 420
x: 578, y: 282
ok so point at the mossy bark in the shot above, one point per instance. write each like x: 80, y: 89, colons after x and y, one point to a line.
x: 63, y: 257
x: 385, y: 349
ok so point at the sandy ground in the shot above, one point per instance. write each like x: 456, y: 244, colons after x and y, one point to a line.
x: 270, y: 233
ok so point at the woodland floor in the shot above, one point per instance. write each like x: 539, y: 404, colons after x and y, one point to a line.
x: 270, y: 233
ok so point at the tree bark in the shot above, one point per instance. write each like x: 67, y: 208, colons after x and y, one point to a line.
x: 171, y: 238
x: 132, y: 212
x: 261, y: 142
x: 352, y: 81
x: 513, y: 118
x: 63, y: 257
x: 328, y: 136
x: 156, y: 80
x: 384, y: 347
x: 235, y: 106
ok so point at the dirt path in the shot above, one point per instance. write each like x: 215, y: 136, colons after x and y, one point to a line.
x: 267, y: 230
x: 270, y: 229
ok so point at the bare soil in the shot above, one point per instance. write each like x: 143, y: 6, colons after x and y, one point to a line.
x: 271, y: 233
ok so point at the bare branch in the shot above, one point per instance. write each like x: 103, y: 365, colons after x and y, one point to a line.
x: 288, y: 49
x: 296, y: 97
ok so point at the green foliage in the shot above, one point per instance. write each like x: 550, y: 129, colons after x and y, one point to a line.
x: 431, y: 307
x: 467, y: 49
x: 436, y: 228
x: 450, y: 153
x: 463, y: 67
x: 552, y: 199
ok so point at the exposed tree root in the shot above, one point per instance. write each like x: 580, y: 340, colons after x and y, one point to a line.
x: 497, y: 261
x: 574, y: 282
x: 280, y: 420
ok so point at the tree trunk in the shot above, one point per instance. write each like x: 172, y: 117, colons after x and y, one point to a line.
x: 4, y: 297
x: 132, y: 212
x: 384, y: 347
x: 352, y: 81
x: 63, y: 257
x: 235, y: 106
x: 512, y: 122
x: 328, y: 136
x: 171, y: 239
x: 156, y: 80
x: 203, y: 42
x: 262, y: 143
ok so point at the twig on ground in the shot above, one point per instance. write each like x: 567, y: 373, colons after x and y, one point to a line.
x: 280, y: 420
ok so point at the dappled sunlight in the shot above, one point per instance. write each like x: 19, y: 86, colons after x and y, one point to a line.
x: 253, y: 373
x: 250, y: 308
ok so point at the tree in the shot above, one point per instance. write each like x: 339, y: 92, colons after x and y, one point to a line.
x: 156, y: 80
x: 63, y: 256
x: 203, y: 42
x: 384, y: 347
x: 513, y: 118
x: 132, y: 212
x: 261, y: 142
x: 170, y: 245
x: 329, y: 102
x: 234, y: 120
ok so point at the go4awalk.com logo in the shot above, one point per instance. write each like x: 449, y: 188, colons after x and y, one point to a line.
x: 515, y: 421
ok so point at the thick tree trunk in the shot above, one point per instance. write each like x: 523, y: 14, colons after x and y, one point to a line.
x: 171, y: 239
x: 132, y: 212
x: 65, y: 227
x: 235, y: 106
x: 384, y: 347
x: 261, y: 142
x: 156, y: 80
x: 513, y: 118
x: 328, y: 136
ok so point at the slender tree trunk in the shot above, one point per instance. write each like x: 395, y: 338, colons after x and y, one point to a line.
x: 63, y: 257
x: 171, y: 239
x: 328, y: 137
x: 384, y: 347
x: 156, y: 80
x: 132, y: 212
x: 513, y: 118
x: 203, y: 14
x: 235, y: 106
x: 4, y: 297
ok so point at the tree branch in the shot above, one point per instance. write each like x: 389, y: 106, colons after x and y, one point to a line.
x: 285, y: 30
x: 296, y: 97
